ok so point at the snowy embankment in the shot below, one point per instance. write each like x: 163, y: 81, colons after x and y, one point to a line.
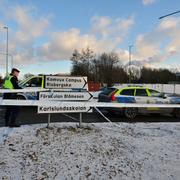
x: 97, y: 151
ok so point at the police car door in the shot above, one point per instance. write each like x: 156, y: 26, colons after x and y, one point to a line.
x: 141, y: 96
x: 159, y: 98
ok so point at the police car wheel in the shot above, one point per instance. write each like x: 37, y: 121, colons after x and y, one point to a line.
x: 130, y: 113
x: 176, y: 113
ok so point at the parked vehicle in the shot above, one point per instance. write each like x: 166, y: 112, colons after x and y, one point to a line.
x: 136, y: 94
x: 36, y: 82
x: 102, y: 90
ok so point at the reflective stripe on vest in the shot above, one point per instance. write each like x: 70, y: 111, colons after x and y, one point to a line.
x: 7, y: 83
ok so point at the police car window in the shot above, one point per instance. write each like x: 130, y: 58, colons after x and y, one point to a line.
x: 154, y: 93
x: 35, y: 82
x: 107, y: 91
x: 141, y: 92
x: 127, y: 92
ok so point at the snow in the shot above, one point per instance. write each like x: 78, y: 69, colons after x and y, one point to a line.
x: 96, y: 151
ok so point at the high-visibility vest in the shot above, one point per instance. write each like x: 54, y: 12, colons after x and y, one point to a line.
x: 7, y: 83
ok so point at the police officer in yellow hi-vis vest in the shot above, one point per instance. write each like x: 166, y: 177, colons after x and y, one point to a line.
x: 11, y: 82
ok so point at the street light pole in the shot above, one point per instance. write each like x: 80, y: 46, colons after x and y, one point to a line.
x: 5, y: 27
x: 130, y: 47
x: 169, y: 14
x: 12, y: 61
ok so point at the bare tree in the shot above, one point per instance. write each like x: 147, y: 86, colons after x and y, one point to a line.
x: 82, y: 63
x: 104, y: 68
x: 120, y: 75
x: 106, y: 64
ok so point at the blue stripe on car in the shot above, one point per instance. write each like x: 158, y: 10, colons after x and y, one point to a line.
x: 125, y: 99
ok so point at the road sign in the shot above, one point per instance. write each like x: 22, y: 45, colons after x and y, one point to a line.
x: 65, y: 82
x: 65, y: 96
x: 63, y: 109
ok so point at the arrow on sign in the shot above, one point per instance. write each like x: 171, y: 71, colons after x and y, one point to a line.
x: 85, y: 82
x: 65, y: 96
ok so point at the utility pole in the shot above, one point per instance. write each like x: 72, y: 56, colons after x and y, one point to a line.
x: 130, y: 47
x: 5, y: 27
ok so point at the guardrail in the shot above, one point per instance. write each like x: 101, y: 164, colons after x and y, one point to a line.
x: 85, y: 104
x: 2, y: 91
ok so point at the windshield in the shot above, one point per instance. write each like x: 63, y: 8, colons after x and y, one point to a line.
x: 32, y: 82
x: 155, y: 93
x: 108, y: 91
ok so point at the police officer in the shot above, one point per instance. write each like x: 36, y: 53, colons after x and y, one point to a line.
x: 11, y: 82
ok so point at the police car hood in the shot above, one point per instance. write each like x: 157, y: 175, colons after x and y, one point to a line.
x: 174, y: 98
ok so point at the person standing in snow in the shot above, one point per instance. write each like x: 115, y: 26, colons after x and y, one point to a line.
x: 11, y: 82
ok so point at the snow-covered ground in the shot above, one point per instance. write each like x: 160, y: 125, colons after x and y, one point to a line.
x: 147, y: 151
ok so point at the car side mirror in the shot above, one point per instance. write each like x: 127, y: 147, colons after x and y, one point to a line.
x: 27, y: 85
x: 163, y: 95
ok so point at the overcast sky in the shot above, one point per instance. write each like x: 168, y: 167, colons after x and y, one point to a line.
x: 44, y: 33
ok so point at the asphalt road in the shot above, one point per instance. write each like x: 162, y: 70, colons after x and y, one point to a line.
x: 28, y: 115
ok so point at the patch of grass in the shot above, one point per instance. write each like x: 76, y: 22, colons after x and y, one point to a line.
x: 72, y: 129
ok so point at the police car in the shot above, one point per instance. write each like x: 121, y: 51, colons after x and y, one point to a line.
x: 33, y: 82
x: 138, y: 94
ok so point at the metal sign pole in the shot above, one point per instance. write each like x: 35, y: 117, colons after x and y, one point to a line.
x: 49, y: 120
x: 80, y: 120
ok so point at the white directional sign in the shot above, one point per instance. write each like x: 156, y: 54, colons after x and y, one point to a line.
x: 63, y: 109
x: 65, y: 82
x: 65, y: 96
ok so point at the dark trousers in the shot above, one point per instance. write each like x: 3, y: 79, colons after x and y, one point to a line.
x: 11, y: 114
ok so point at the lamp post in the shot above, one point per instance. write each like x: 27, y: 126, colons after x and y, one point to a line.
x: 130, y: 47
x: 5, y: 27
x: 169, y: 14
x: 12, y: 61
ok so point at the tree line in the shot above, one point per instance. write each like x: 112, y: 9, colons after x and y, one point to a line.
x: 108, y: 68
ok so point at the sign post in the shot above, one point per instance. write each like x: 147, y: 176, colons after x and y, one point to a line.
x: 49, y: 120
x: 80, y: 120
